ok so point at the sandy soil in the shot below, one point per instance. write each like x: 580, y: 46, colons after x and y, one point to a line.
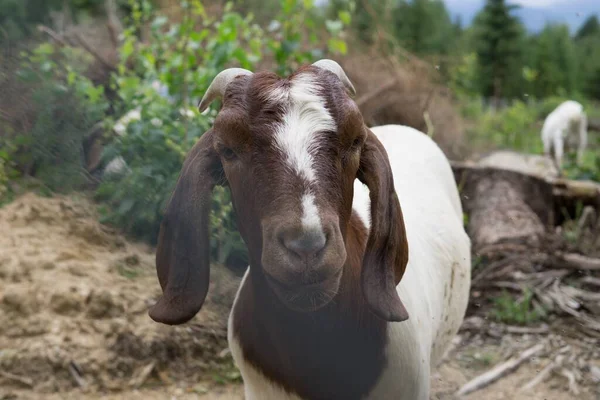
x: 73, y: 323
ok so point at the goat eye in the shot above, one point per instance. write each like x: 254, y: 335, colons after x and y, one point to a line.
x: 228, y: 154
x: 357, y: 143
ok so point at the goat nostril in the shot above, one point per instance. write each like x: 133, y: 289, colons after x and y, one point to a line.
x: 307, y: 244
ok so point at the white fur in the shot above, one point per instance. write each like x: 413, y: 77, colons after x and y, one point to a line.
x: 435, y: 287
x: 297, y: 136
x: 563, y: 124
x: 305, y: 117
x: 310, y: 214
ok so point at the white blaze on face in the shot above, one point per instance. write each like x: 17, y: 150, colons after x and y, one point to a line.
x: 306, y: 117
x: 310, y: 214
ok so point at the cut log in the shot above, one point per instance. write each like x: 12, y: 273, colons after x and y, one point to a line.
x: 506, y: 205
x: 503, y: 206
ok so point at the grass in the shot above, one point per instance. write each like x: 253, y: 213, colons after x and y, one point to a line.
x: 227, y: 374
x: 513, y: 311
x: 477, y: 359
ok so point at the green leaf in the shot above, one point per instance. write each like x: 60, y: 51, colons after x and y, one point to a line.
x: 159, y: 22
x: 45, y: 49
x: 337, y: 46
x: 126, y: 206
x: 345, y: 17
x: 334, y: 27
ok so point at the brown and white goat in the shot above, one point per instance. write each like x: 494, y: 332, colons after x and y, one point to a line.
x: 323, y: 310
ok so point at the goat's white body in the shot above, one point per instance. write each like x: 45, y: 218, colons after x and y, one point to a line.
x: 435, y: 287
x: 567, y: 122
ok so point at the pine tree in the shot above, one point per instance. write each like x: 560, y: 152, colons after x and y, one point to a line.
x: 423, y: 26
x: 498, y: 42
x: 590, y: 27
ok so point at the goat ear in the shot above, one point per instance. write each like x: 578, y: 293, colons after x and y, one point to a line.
x: 183, y: 251
x: 386, y: 253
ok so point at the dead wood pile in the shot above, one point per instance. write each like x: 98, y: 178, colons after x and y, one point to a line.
x: 535, y: 233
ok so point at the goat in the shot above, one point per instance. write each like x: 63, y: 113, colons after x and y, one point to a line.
x: 323, y: 310
x: 559, y: 129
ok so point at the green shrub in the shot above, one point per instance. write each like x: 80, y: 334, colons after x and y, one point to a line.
x: 513, y: 127
x: 67, y: 105
x: 186, y: 57
x: 520, y: 312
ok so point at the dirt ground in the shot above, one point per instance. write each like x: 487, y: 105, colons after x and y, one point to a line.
x: 73, y: 324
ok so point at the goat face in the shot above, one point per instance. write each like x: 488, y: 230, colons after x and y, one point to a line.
x: 290, y: 150
x: 291, y: 171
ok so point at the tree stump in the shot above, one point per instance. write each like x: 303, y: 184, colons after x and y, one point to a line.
x: 505, y: 205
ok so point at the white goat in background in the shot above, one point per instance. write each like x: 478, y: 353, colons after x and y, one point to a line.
x: 560, y: 129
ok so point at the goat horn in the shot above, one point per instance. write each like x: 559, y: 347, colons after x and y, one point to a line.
x: 334, y: 67
x: 219, y: 84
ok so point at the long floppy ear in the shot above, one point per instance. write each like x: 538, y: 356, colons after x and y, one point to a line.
x: 183, y: 252
x: 386, y: 254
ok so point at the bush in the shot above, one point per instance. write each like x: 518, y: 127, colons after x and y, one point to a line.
x: 186, y: 57
x: 67, y: 105
x: 520, y: 312
x: 514, y: 127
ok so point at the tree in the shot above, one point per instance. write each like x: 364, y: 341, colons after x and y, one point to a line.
x: 498, y: 42
x: 554, y: 61
x: 423, y: 26
x: 590, y: 27
x: 588, y: 74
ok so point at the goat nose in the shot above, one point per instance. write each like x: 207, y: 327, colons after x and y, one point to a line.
x: 305, y: 244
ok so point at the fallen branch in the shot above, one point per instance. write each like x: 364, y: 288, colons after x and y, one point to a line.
x: 367, y: 97
x: 590, y: 280
x: 524, y: 330
x: 539, y: 378
x: 499, y: 371
x: 17, y: 378
x: 569, y: 306
x: 493, y: 267
x: 588, y: 215
x: 142, y: 375
x: 572, y: 381
x: 578, y: 261
x: 76, y: 374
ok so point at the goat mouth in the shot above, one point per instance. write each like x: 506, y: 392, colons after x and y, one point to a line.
x: 306, y: 297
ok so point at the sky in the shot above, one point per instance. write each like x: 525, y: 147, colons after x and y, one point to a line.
x: 534, y: 13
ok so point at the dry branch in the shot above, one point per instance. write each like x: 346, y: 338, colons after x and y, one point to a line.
x: 76, y: 374
x: 573, y: 388
x: 142, y: 375
x: 539, y: 378
x: 367, y: 97
x: 17, y: 378
x: 55, y: 36
x: 499, y: 371
x: 113, y: 22
x: 590, y: 280
x: 525, y: 330
x: 578, y: 261
x: 84, y: 44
